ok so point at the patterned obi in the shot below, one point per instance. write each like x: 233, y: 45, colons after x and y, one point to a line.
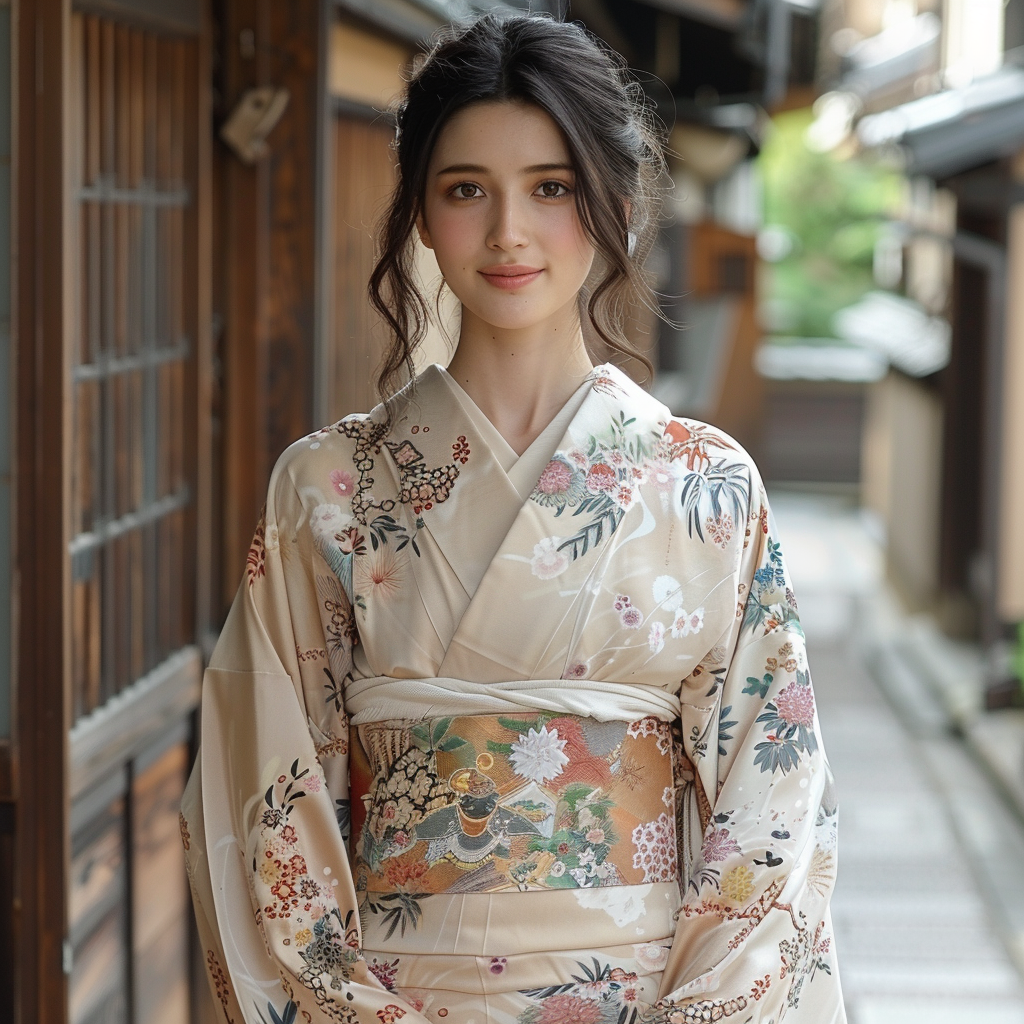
x: 498, y: 803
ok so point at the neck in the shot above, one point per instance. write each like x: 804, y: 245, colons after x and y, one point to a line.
x: 520, y: 379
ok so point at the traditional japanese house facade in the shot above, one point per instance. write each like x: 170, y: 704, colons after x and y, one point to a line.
x: 947, y: 448
x: 171, y: 317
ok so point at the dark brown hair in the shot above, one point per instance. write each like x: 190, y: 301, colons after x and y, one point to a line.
x: 586, y: 90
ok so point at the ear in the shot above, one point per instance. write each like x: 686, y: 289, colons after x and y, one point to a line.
x: 421, y: 228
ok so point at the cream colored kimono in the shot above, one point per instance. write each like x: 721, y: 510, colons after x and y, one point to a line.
x: 506, y: 740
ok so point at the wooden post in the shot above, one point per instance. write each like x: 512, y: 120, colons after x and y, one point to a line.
x: 40, y: 315
x: 270, y: 224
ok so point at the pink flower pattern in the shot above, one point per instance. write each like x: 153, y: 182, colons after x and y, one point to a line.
x: 796, y: 705
x: 718, y: 845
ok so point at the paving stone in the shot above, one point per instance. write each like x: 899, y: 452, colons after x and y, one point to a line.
x: 887, y: 977
x: 889, y: 1010
x: 922, y: 932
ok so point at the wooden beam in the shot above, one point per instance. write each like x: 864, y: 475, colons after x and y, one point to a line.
x: 40, y: 321
x: 184, y: 16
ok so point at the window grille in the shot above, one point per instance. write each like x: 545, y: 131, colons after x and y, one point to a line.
x: 132, y: 547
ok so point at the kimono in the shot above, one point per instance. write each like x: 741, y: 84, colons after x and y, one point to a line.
x: 514, y: 740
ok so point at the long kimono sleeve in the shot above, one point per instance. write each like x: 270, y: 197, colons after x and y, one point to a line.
x: 264, y: 811
x: 753, y: 937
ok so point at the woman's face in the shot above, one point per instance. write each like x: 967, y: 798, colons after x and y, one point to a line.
x: 500, y: 214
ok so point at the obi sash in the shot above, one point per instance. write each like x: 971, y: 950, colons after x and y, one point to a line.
x: 507, y: 803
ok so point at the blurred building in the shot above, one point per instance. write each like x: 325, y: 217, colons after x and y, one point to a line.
x: 938, y: 88
x: 187, y: 193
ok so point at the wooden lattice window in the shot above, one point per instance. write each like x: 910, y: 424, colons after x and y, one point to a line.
x: 133, y: 364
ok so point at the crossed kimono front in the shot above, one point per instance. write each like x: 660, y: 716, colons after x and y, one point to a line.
x: 509, y: 739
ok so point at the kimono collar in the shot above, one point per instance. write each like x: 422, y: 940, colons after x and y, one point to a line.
x: 430, y: 428
x: 453, y: 485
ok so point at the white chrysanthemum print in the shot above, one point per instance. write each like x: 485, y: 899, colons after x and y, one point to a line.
x: 688, y: 622
x: 548, y: 562
x: 668, y: 593
x: 651, y: 956
x: 656, y: 637
x: 327, y: 520
x: 538, y: 755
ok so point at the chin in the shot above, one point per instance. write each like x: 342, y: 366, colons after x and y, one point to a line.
x: 512, y: 319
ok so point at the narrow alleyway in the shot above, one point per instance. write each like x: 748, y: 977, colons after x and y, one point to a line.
x: 929, y: 887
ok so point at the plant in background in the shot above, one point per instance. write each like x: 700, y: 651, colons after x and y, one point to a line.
x: 823, y: 217
x: 1017, y: 664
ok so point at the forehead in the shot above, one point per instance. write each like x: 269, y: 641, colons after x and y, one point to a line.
x: 504, y: 135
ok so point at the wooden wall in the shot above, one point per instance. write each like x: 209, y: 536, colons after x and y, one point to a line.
x: 267, y: 240
x: 112, y: 357
x: 363, y: 177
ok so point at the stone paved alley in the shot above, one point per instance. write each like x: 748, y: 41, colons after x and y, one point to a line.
x: 929, y: 907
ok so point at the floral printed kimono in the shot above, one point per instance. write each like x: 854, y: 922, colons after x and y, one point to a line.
x: 514, y: 740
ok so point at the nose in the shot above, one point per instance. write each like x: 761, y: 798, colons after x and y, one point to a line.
x: 507, y: 229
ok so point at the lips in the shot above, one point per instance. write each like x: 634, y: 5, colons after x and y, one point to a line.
x: 509, y: 277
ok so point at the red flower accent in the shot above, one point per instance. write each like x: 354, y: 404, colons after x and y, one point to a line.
x: 386, y: 973
x: 602, y: 478
x: 460, y: 450
x: 343, y: 482
x: 677, y: 432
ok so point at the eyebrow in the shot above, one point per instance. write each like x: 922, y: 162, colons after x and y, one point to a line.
x: 478, y: 169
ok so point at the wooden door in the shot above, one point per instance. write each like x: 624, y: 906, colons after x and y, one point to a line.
x: 134, y: 486
x: 119, y: 320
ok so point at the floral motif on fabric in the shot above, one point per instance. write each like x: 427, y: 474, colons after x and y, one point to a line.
x: 770, y: 604
x: 598, y: 994
x: 339, y: 628
x: 421, y: 486
x: 221, y: 985
x: 598, y: 483
x: 562, y: 484
x: 788, y: 722
x: 601, y: 479
x: 698, y: 1011
x: 655, y: 844
x: 494, y: 803
x: 803, y: 956
x: 256, y: 559
x: 718, y: 845
x: 288, y: 890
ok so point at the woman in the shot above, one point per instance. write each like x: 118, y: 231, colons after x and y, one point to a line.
x: 511, y: 719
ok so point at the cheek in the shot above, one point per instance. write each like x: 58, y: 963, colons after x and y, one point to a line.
x: 573, y: 244
x: 565, y: 234
x: 451, y: 234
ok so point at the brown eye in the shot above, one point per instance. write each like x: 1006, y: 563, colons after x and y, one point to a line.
x: 553, y: 189
x: 466, y: 191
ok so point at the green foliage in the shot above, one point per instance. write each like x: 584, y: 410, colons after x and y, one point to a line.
x: 833, y: 209
x: 1018, y: 655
